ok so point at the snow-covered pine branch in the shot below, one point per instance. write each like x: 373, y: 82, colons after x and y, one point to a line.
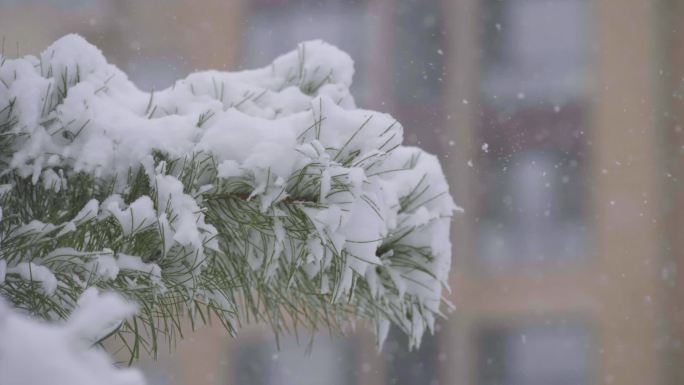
x: 262, y: 195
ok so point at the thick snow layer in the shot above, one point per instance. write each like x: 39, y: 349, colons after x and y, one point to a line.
x: 36, y: 353
x: 37, y: 273
x: 382, y: 208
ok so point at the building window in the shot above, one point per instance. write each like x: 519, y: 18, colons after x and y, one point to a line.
x: 419, y: 41
x: 277, y: 26
x: 533, y: 132
x: 261, y: 362
x: 404, y: 367
x: 150, y: 74
x: 547, y: 354
x: 539, y: 48
x: 418, y: 72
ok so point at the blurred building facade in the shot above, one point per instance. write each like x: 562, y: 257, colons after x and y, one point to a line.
x: 560, y: 124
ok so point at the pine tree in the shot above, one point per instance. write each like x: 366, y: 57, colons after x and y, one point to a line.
x: 254, y: 196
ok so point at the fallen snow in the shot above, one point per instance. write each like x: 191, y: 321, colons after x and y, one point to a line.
x: 34, y: 352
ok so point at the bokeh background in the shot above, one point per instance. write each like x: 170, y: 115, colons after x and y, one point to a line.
x: 559, y: 124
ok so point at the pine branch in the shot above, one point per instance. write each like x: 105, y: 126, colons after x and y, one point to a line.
x: 262, y: 196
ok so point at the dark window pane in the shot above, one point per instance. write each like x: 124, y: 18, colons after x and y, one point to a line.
x: 419, y: 41
x: 328, y: 362
x: 551, y: 353
x: 411, y: 367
